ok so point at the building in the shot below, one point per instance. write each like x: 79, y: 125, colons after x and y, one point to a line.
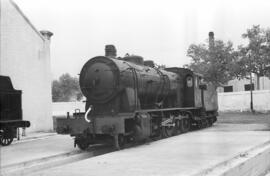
x: 236, y: 95
x: 25, y: 58
x: 244, y: 85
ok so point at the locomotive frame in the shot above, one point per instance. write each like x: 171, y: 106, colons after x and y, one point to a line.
x: 128, y: 100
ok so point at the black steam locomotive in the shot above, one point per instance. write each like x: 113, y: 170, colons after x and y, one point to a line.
x: 10, y: 111
x: 129, y: 99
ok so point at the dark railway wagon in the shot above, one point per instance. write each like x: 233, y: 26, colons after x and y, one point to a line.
x: 129, y: 99
x: 10, y: 111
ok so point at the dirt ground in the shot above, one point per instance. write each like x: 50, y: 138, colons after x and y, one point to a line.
x: 243, y: 118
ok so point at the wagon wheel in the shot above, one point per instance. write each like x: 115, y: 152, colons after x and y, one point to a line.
x: 6, y: 137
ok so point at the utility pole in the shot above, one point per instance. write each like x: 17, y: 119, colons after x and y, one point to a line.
x: 251, y: 87
x: 251, y: 94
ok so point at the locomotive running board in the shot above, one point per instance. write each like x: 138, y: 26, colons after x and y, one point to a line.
x: 166, y: 109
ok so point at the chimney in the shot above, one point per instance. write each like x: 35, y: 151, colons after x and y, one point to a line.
x: 110, y: 51
x: 46, y: 34
x: 211, y: 39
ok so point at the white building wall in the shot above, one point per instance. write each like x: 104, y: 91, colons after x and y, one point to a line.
x: 264, y: 83
x: 25, y: 57
x: 240, y: 101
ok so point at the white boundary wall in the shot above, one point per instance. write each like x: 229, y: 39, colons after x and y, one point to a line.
x: 240, y: 101
x: 61, y: 108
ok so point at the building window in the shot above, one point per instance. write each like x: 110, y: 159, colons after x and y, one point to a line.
x: 248, y: 87
x: 228, y: 89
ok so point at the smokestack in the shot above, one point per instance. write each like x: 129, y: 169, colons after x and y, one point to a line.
x: 46, y: 34
x: 211, y: 39
x: 110, y: 51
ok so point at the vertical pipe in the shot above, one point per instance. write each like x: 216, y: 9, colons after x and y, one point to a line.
x: 251, y: 94
x: 251, y: 91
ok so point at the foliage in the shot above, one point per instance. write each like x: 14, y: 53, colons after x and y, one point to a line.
x: 162, y: 66
x: 255, y: 56
x: 215, y: 62
x: 66, y: 89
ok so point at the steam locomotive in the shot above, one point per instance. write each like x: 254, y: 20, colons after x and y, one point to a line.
x: 129, y: 99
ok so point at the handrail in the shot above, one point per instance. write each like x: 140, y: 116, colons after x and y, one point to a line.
x: 86, y: 114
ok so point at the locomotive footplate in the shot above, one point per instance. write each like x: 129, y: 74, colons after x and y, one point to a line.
x: 94, y: 130
x: 98, y: 124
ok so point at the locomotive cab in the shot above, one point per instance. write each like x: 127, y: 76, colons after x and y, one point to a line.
x: 195, y: 92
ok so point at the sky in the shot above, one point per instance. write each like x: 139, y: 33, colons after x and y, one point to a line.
x: 159, y: 30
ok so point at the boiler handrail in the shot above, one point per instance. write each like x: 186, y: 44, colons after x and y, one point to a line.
x: 86, y: 114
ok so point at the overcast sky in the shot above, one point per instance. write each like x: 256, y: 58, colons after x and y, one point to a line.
x: 160, y: 30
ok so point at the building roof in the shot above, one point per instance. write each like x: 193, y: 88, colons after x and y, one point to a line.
x: 26, y: 19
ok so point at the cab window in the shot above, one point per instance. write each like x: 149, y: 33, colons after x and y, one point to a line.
x: 189, y: 81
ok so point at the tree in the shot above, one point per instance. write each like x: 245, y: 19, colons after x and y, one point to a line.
x: 255, y: 56
x: 66, y: 89
x: 56, y: 91
x: 216, y: 61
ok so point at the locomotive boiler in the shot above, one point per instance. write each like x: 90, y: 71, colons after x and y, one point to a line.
x: 129, y: 100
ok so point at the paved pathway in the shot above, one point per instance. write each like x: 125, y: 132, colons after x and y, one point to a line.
x: 42, y: 146
x: 185, y: 154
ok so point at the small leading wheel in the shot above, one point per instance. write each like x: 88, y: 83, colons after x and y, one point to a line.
x: 119, y: 141
x: 6, y: 137
x: 82, y: 143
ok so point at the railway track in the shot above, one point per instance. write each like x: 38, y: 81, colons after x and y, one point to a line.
x: 32, y: 166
